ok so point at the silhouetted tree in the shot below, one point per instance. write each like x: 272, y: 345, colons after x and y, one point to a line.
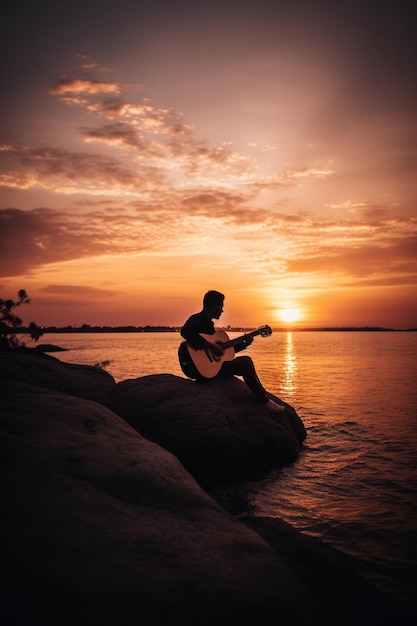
x: 10, y: 323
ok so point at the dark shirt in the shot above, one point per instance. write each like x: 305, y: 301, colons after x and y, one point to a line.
x: 196, y: 324
x: 201, y: 323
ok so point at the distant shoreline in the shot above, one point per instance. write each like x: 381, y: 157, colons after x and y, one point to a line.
x: 175, y: 329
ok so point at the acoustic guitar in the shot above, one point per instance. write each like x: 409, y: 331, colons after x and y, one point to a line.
x: 204, y: 363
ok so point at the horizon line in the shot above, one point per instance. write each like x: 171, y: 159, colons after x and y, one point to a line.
x: 85, y: 328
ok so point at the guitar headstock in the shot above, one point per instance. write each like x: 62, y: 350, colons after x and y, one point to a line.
x: 265, y: 331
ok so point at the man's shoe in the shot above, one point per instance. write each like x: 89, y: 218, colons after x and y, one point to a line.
x: 273, y: 407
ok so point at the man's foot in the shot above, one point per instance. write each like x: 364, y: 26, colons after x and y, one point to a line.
x: 273, y: 407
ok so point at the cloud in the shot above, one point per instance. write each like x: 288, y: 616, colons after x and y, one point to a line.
x: 66, y: 172
x: 143, y: 117
x: 142, y: 149
x: 158, y: 135
x: 120, y: 134
x: 152, y: 186
x: 84, y: 291
x: 383, y: 259
x: 79, y: 91
x: 31, y: 239
x: 35, y: 238
x: 85, y: 63
x: 192, y: 223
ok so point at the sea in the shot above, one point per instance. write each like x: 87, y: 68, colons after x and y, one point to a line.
x: 355, y: 483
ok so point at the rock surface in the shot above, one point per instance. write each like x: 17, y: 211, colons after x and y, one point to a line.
x: 101, y: 520
x: 101, y: 526
x: 83, y: 381
x: 217, y: 429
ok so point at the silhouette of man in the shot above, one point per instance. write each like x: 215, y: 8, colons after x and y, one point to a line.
x: 202, y: 322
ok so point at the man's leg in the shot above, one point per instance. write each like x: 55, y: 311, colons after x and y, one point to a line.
x: 243, y: 366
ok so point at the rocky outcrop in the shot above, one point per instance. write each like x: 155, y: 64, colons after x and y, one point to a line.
x: 217, y: 429
x: 102, y: 523
x: 101, y: 526
x: 35, y: 368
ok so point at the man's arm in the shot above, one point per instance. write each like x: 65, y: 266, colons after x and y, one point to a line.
x: 191, y: 332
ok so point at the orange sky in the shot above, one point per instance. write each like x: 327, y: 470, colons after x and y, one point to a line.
x: 153, y: 151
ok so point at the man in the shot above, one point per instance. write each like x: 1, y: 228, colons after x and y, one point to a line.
x: 241, y: 366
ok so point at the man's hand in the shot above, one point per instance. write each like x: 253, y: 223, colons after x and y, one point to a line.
x: 215, y: 348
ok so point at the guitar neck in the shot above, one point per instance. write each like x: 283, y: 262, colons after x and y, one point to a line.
x: 236, y: 340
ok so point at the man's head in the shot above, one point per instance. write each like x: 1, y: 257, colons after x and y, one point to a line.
x: 213, y: 303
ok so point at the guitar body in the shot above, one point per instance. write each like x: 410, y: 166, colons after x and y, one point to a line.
x: 203, y: 363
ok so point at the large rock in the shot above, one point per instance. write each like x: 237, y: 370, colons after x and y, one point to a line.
x: 101, y: 526
x: 341, y: 596
x: 217, y: 429
x: 33, y: 367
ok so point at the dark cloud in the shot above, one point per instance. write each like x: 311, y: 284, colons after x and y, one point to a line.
x: 66, y: 172
x: 30, y: 239
x: 374, y: 242
x: 120, y: 133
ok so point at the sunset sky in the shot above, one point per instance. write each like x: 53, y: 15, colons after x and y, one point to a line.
x: 152, y: 150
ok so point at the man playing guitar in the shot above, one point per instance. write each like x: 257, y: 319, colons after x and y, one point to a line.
x: 197, y: 332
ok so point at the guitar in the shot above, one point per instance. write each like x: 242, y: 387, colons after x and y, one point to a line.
x: 203, y: 363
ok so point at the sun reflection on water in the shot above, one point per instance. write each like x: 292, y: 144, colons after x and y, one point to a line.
x: 290, y: 367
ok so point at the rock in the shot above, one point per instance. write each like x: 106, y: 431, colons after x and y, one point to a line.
x: 216, y: 429
x: 49, y: 347
x: 101, y: 527
x: 341, y: 596
x: 331, y: 577
x: 36, y: 368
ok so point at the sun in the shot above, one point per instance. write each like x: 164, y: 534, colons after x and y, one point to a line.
x: 289, y: 315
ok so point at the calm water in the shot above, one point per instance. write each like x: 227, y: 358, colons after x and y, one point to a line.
x: 355, y: 483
